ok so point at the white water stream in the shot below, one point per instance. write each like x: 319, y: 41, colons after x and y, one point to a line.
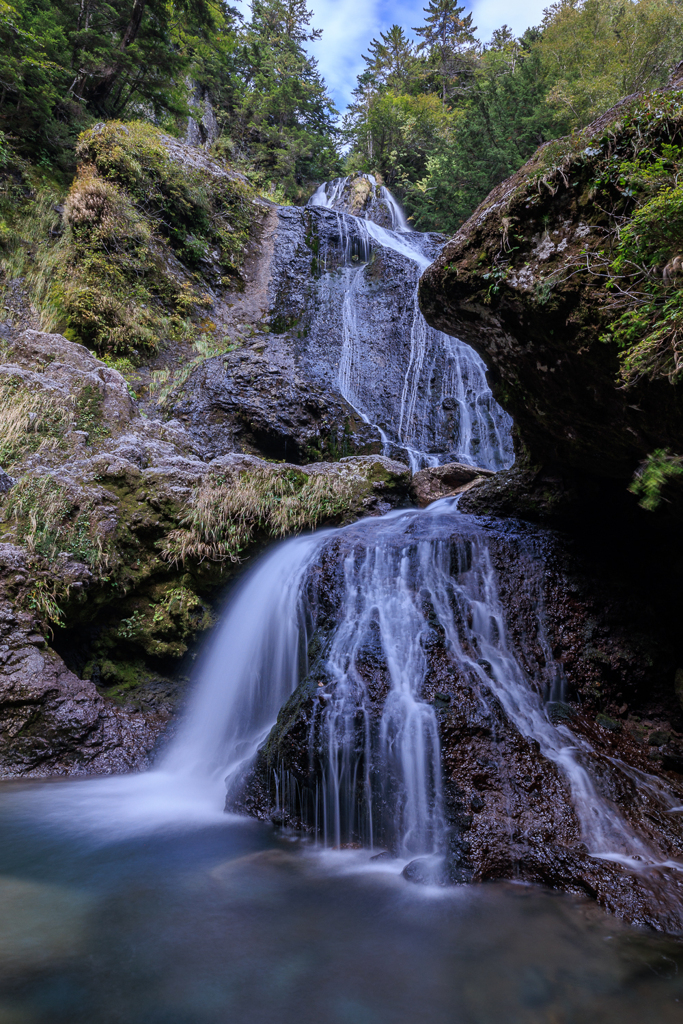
x: 399, y: 575
x: 483, y: 428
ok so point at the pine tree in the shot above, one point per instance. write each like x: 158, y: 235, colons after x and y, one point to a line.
x: 391, y: 59
x: 447, y: 38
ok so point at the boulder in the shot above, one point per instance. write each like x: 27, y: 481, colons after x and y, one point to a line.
x: 444, y: 481
x: 524, y: 282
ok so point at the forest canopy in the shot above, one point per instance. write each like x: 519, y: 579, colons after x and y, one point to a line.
x: 439, y: 115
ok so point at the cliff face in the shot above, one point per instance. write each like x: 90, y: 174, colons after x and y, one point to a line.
x: 557, y: 281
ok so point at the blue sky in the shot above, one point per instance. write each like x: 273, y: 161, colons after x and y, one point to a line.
x: 349, y: 25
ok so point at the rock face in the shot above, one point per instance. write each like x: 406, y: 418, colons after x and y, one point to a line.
x: 52, y: 722
x: 443, y: 481
x: 96, y: 491
x: 511, y: 810
x: 524, y: 282
x: 339, y: 344
x: 248, y: 401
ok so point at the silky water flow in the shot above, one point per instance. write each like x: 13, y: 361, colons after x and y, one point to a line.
x: 375, y: 759
x: 482, y: 429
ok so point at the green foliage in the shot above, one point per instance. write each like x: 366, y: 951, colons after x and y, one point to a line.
x: 659, y: 469
x: 48, y: 518
x: 281, y: 118
x: 61, y: 63
x: 30, y: 420
x: 122, y: 269
x: 502, y: 100
x: 192, y: 208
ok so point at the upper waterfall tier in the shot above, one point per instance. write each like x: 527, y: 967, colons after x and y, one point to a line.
x: 347, y: 363
x: 425, y: 391
x: 359, y: 196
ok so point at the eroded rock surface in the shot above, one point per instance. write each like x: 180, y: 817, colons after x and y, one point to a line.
x: 95, y: 493
x: 524, y: 282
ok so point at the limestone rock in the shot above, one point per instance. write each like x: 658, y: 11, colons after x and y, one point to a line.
x: 259, y: 405
x: 444, y: 481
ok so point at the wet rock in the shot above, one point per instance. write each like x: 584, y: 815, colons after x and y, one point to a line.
x: 443, y: 481
x: 260, y: 406
x: 6, y: 482
x: 52, y: 722
x: 508, y: 808
x: 425, y: 871
x: 608, y: 723
x: 542, y: 328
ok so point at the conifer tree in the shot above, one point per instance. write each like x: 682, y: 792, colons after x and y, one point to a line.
x: 391, y: 59
x: 447, y: 37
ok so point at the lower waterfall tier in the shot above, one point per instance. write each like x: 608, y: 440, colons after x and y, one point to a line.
x: 431, y: 718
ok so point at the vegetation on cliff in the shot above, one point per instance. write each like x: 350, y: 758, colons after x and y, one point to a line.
x: 444, y: 118
x: 63, y: 66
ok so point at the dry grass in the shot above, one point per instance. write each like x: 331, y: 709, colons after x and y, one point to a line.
x: 29, y: 421
x: 48, y: 517
x: 229, y: 513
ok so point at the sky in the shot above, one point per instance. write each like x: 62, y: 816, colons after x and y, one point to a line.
x: 349, y: 25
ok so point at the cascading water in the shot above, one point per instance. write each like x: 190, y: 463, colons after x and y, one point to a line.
x: 389, y: 604
x: 479, y: 429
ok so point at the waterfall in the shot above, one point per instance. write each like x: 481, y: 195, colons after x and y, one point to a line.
x: 249, y: 670
x: 374, y: 774
x: 477, y: 428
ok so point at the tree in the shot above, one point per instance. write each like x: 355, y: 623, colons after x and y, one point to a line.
x: 449, y: 40
x: 391, y: 59
x: 285, y: 117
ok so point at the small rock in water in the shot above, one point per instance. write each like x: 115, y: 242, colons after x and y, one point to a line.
x: 610, y: 724
x: 559, y: 712
x: 441, y: 481
x: 384, y: 855
x: 433, y: 871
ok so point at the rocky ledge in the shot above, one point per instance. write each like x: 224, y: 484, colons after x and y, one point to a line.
x: 116, y: 537
x: 530, y: 282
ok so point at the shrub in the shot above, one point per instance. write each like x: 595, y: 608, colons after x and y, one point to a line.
x: 29, y: 420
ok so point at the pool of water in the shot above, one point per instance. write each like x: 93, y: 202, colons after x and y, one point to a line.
x: 228, y: 921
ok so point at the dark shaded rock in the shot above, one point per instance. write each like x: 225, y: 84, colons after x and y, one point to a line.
x: 426, y: 871
x: 508, y: 809
x: 52, y: 722
x: 609, y: 723
x: 244, y: 402
x: 441, y: 481
x: 541, y: 328
x: 6, y: 482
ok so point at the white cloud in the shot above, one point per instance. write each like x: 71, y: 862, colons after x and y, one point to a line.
x: 491, y: 14
x: 349, y: 25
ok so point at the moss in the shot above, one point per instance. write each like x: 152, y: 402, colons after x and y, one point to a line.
x: 49, y: 517
x: 124, y: 269
x: 88, y: 413
x: 608, y: 723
